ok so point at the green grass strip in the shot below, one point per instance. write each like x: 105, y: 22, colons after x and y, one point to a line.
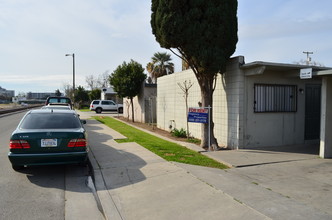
x: 168, y: 150
x: 85, y: 109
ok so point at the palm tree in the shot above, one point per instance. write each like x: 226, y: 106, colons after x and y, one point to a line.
x: 161, y: 65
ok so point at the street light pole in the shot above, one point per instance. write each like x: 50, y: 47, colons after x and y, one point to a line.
x: 73, y: 55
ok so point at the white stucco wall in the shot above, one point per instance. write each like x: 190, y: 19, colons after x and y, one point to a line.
x: 139, y: 104
x: 138, y: 108
x: 275, y: 129
x: 326, y: 120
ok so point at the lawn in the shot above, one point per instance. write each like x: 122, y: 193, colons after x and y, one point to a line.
x: 168, y: 150
x: 85, y: 109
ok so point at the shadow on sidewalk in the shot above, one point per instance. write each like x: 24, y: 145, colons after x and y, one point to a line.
x: 118, y: 166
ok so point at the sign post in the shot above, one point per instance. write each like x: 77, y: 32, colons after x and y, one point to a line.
x: 209, y: 129
x: 201, y: 115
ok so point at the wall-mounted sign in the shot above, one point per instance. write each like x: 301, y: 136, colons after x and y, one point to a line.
x: 198, y: 115
x: 306, y: 73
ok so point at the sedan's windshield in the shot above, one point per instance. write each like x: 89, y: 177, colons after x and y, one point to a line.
x: 50, y: 121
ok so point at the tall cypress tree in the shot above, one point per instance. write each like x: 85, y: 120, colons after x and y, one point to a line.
x: 204, y: 32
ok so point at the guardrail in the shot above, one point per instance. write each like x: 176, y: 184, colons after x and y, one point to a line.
x: 10, y: 110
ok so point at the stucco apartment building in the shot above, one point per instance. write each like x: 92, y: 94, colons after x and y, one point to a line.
x: 256, y: 104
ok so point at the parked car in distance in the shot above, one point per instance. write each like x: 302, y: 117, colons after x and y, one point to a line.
x: 59, y: 100
x: 105, y: 105
x: 48, y: 137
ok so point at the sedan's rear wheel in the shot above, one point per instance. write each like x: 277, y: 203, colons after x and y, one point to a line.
x: 120, y: 110
x: 98, y: 110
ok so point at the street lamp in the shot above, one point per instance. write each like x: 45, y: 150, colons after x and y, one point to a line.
x: 73, y: 55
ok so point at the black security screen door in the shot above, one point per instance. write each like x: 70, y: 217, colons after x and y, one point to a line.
x: 275, y: 98
x: 312, y: 112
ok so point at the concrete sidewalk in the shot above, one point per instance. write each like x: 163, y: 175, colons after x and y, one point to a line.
x: 133, y: 183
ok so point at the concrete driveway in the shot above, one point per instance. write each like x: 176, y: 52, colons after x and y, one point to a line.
x: 295, y: 172
x: 265, y: 155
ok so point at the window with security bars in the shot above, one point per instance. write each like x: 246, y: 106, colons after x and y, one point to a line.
x: 275, y: 98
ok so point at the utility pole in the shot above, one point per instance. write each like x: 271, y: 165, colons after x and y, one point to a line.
x: 308, y: 57
x: 73, y: 55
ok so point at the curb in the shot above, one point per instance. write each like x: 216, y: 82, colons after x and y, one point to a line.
x: 90, y: 182
x: 103, y: 198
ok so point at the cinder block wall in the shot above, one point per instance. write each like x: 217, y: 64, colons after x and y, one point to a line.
x: 227, y: 110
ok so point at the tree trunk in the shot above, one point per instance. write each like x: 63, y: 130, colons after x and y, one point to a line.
x: 207, y: 100
x: 132, y: 109
x: 128, y: 104
x: 188, y: 133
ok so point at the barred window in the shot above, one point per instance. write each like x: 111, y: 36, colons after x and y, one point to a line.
x: 275, y: 98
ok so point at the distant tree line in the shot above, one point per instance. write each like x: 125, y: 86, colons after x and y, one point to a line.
x: 126, y: 80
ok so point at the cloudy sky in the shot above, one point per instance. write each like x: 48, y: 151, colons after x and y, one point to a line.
x: 35, y: 35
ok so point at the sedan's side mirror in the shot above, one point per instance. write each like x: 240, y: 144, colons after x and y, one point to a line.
x: 83, y: 122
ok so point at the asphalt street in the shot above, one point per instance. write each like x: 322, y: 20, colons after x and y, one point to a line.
x: 45, y: 192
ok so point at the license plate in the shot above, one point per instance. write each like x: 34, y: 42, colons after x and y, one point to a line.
x: 49, y: 142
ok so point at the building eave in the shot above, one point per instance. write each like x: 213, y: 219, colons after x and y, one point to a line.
x: 324, y: 73
x: 259, y: 67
